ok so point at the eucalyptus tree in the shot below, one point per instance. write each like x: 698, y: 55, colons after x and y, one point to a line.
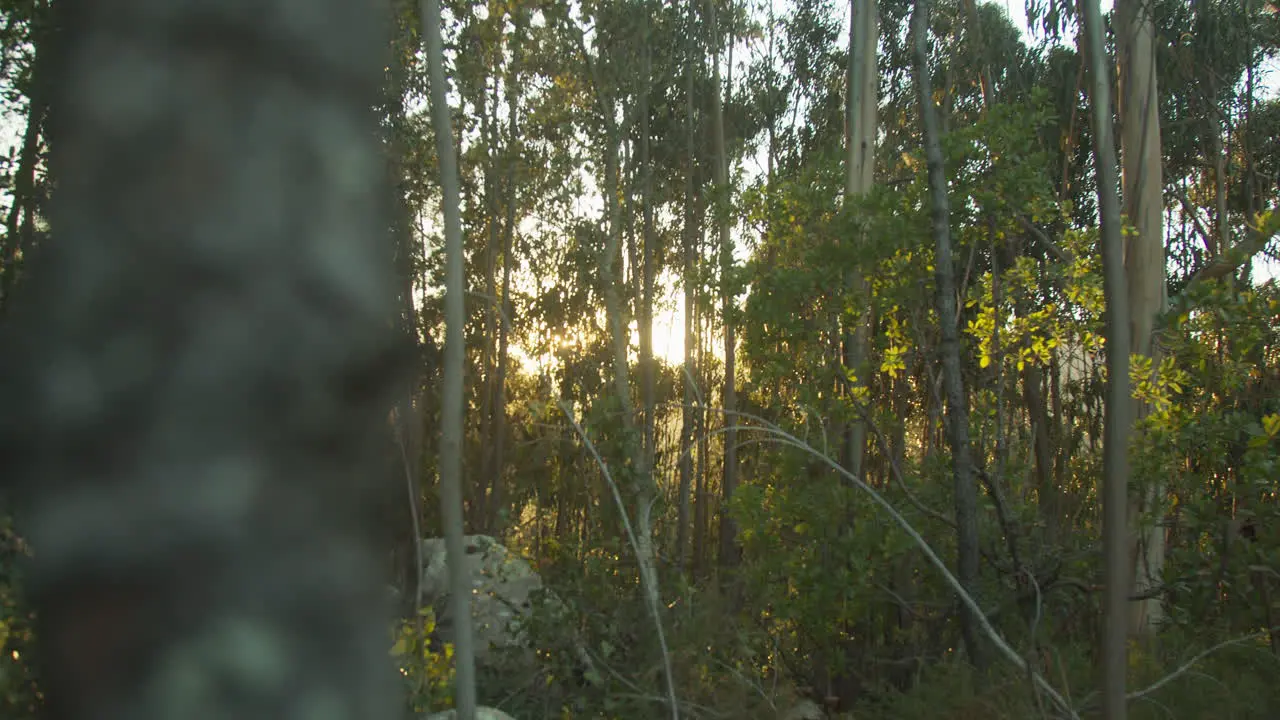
x: 451, y: 415
x: 862, y: 104
x: 689, y: 234
x: 496, y: 494
x: 1115, y: 481
x: 1143, y: 194
x: 220, y: 217
x: 720, y: 171
x: 648, y: 367
x: 965, y: 483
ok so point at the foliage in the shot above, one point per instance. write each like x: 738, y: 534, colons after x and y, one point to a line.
x: 427, y: 670
x: 1215, y: 433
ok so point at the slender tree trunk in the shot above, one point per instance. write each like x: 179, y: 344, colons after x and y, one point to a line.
x: 648, y: 369
x: 689, y: 234
x: 860, y: 117
x: 409, y: 411
x: 1119, y: 404
x: 497, y: 499
x: 1144, y: 264
x: 728, y: 529
x: 1219, y: 239
x: 1038, y: 408
x: 488, y: 106
x: 451, y: 404
x: 966, y: 493
x: 1063, y: 424
x: 702, y: 510
x: 771, y: 146
x: 610, y: 277
x: 642, y: 488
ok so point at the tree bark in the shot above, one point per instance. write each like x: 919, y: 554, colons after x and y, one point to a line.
x: 1144, y: 265
x: 488, y: 106
x: 729, y: 482
x: 497, y: 500
x: 452, y: 400
x: 701, y: 508
x: 1115, y: 520
x: 689, y: 234
x: 221, y: 230
x: 860, y: 116
x: 966, y: 492
x: 1038, y: 407
x: 648, y: 368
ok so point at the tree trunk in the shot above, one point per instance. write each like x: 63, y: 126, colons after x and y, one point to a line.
x: 701, y: 508
x: 1220, y: 238
x: 966, y: 492
x: 1119, y: 403
x: 1038, y: 408
x: 648, y: 369
x: 689, y: 234
x: 860, y: 116
x: 409, y: 428
x: 728, y: 528
x: 488, y: 389
x: 497, y: 499
x: 452, y: 401
x: 1144, y: 264
x: 180, y: 522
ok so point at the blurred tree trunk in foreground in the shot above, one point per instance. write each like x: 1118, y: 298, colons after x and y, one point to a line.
x: 200, y: 361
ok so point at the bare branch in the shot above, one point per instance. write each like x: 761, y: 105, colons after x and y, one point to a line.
x: 1192, y: 662
x: 967, y: 600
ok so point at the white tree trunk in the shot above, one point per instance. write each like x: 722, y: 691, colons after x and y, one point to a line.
x: 860, y: 115
x: 1143, y: 187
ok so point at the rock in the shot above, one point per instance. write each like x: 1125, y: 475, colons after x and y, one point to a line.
x: 804, y: 710
x: 482, y: 713
x: 504, y: 588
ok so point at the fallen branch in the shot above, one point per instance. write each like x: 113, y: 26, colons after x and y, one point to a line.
x: 1192, y: 662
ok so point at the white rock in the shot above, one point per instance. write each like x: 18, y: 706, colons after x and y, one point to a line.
x: 482, y: 713
x: 804, y: 710
x: 501, y: 599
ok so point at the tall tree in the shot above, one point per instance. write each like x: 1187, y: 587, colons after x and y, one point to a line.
x: 648, y: 368
x: 860, y: 118
x: 1143, y: 191
x: 724, y: 224
x: 1115, y: 479
x: 689, y: 237
x: 496, y: 500
x: 966, y: 492
x: 451, y: 411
